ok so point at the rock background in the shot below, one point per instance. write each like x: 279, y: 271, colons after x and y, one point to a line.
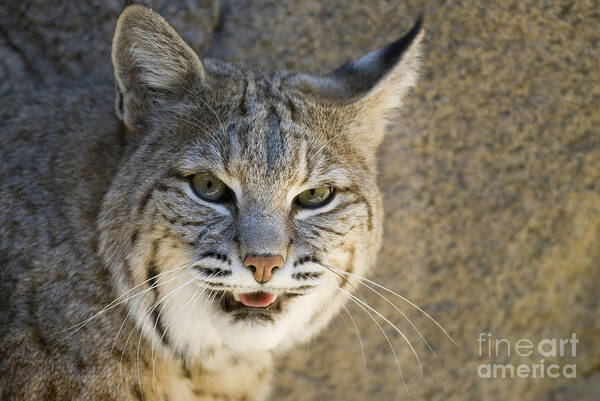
x: 491, y: 173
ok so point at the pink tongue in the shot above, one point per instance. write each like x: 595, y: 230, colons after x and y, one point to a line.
x: 257, y: 299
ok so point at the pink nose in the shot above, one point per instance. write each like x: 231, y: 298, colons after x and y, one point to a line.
x: 263, y: 266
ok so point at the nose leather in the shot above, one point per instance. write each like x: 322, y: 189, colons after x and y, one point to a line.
x: 263, y: 266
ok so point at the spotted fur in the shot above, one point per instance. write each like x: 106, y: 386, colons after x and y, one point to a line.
x: 98, y: 206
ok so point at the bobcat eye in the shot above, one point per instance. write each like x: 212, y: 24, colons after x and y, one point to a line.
x: 315, y: 197
x: 208, y: 187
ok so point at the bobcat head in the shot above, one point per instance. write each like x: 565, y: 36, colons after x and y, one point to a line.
x: 247, y: 200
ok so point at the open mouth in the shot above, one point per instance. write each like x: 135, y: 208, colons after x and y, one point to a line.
x: 252, y: 302
x: 255, y: 299
x: 257, y: 306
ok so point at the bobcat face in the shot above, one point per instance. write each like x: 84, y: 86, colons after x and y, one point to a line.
x: 246, y: 197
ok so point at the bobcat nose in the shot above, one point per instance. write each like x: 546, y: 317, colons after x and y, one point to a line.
x: 262, y: 266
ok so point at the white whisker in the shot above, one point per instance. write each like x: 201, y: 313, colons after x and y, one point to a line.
x: 386, y: 338
x: 362, y: 350
x: 137, y: 301
x: 361, y: 278
x: 399, y: 310
x: 148, y: 315
x: 391, y: 324
x: 186, y: 307
x: 116, y: 301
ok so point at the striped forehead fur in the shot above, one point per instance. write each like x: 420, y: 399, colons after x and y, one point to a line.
x: 261, y: 128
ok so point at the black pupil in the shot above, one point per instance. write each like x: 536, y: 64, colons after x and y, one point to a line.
x: 208, y: 184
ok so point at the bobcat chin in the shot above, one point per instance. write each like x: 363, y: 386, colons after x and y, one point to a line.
x: 163, y: 243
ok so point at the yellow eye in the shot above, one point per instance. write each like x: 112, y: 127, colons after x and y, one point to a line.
x: 208, y: 187
x: 315, y: 197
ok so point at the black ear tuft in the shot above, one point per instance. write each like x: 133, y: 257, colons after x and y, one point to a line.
x: 361, y: 75
x: 392, y: 52
x: 394, y: 66
x: 368, y: 89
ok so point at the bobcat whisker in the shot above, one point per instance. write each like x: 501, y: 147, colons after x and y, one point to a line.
x: 219, y: 286
x: 342, y: 321
x: 362, y: 350
x: 392, y: 325
x: 116, y: 301
x: 344, y: 279
x: 384, y: 335
x: 153, y: 306
x: 401, y: 312
x: 195, y: 298
x: 135, y: 304
x: 331, y: 269
x: 185, y: 310
x: 361, y: 278
x: 170, y: 295
x: 154, y: 354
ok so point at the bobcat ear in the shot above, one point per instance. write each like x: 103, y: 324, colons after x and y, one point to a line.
x: 371, y: 87
x: 150, y: 60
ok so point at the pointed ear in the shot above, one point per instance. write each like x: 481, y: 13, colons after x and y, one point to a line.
x: 370, y: 88
x: 150, y: 61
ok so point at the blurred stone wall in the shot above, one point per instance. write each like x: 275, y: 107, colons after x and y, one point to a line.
x: 491, y: 174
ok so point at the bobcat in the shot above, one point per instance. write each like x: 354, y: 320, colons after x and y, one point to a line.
x: 168, y: 250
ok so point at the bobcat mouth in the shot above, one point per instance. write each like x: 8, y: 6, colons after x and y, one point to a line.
x: 255, y: 299
x: 257, y: 305
x: 252, y: 302
x: 253, y: 306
